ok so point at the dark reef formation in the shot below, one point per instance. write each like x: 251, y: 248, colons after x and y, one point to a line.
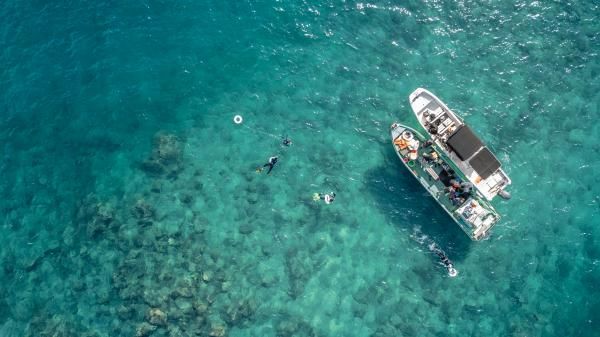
x: 166, y: 158
x: 167, y: 277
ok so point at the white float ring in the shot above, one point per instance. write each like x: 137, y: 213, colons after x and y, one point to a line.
x: 238, y: 119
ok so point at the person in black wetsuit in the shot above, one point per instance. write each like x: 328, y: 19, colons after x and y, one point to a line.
x: 446, y: 176
x: 271, y: 163
x: 465, y: 189
x: 445, y: 260
x: 431, y: 156
x: 287, y: 141
x: 433, y: 129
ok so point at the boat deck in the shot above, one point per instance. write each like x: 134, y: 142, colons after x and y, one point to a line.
x: 435, y: 176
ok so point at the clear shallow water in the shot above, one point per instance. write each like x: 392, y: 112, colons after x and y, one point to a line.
x: 105, y: 215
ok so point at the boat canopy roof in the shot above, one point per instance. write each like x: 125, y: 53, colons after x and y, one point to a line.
x: 464, y: 142
x: 484, y: 163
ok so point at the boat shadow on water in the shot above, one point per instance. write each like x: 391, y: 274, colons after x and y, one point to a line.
x: 407, y: 205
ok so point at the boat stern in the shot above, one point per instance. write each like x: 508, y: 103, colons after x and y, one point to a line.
x: 477, y: 217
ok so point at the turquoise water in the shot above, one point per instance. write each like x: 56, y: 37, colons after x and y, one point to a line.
x: 126, y: 187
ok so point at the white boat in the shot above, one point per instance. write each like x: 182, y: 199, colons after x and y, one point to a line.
x: 460, y: 144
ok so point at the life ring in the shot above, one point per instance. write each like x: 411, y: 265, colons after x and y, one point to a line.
x: 407, y: 135
x: 452, y: 272
x: 238, y: 119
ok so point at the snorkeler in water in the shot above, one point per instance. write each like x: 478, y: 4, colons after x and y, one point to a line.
x: 271, y: 163
x: 328, y: 198
x: 287, y: 141
x: 434, y: 248
x: 445, y: 260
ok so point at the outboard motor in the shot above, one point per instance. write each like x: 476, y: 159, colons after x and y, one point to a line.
x: 504, y: 194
